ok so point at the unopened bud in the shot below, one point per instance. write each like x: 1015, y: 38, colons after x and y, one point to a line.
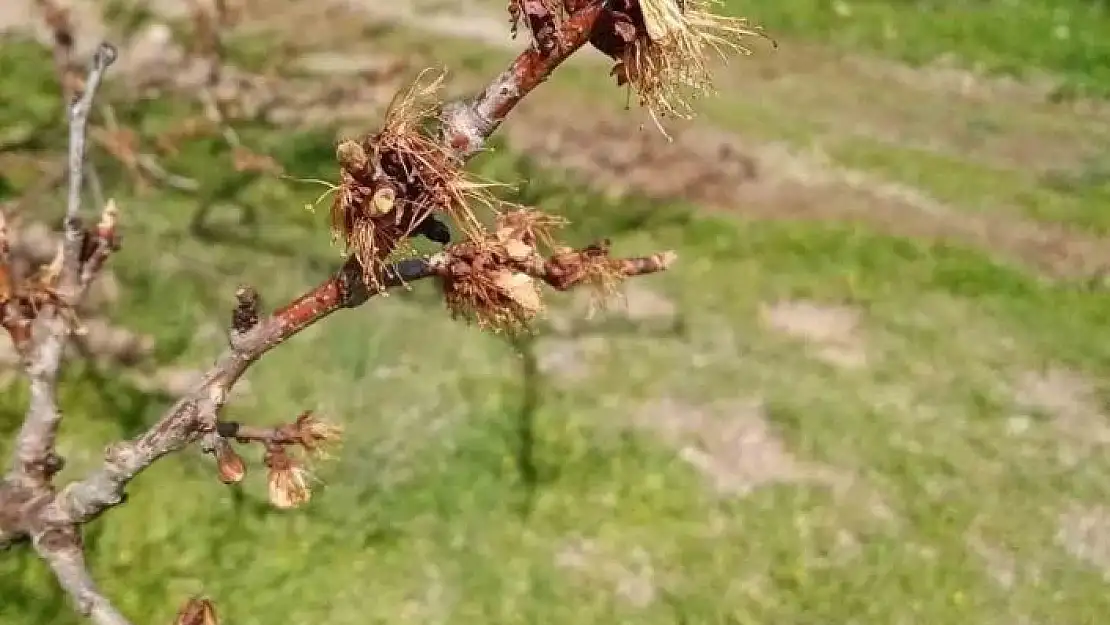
x: 230, y: 464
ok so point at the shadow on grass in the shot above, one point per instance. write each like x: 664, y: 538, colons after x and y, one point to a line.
x: 533, y: 383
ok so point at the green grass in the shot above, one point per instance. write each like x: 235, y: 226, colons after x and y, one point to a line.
x: 472, y: 490
x: 1069, y: 39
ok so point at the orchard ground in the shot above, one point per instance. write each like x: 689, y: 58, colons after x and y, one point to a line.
x: 873, y: 389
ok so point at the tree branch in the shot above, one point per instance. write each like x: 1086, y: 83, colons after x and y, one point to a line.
x: 78, y: 127
x: 491, y: 274
x: 34, y: 460
x: 63, y: 553
x: 467, y: 124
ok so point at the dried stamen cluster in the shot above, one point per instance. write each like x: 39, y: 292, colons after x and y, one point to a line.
x: 493, y: 280
x: 663, y: 49
x: 288, y: 475
x: 394, y: 183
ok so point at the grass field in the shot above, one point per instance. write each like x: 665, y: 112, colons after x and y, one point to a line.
x: 872, y: 391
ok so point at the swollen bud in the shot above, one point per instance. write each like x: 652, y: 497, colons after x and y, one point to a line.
x: 230, y: 464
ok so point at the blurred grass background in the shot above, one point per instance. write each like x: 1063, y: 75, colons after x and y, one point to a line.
x: 480, y: 483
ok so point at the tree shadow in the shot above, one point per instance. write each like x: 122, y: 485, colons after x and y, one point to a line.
x: 533, y: 475
x: 525, y: 421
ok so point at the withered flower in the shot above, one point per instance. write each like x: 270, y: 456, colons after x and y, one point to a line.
x: 491, y: 279
x: 542, y: 18
x: 109, y: 218
x: 663, y: 50
x: 197, y: 611
x: 287, y: 480
x: 393, y: 181
x: 317, y: 435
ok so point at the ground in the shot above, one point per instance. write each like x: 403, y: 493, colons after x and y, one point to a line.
x: 871, y: 391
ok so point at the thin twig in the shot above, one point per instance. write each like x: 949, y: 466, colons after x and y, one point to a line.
x: 78, y: 126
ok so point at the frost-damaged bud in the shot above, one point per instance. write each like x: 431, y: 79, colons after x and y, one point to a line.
x: 382, y: 202
x: 230, y: 464
x: 663, y: 49
x: 521, y: 289
x: 197, y: 611
x: 288, y: 481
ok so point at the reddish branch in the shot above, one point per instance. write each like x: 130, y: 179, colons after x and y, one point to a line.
x: 32, y: 508
x: 466, y: 125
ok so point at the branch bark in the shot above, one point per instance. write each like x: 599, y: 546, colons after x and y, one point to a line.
x: 34, y: 460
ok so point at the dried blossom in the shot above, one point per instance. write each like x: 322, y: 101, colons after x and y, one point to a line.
x: 542, y: 18
x: 393, y: 181
x: 317, y: 435
x: 663, y: 49
x: 287, y: 480
x: 487, y: 278
x: 197, y: 611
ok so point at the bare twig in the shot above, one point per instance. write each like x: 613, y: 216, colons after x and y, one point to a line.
x: 38, y: 315
x: 78, y: 126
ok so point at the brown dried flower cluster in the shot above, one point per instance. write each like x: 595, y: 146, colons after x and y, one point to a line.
x: 493, y: 280
x: 392, y: 181
x: 663, y: 49
x: 288, y: 476
x: 25, y: 298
